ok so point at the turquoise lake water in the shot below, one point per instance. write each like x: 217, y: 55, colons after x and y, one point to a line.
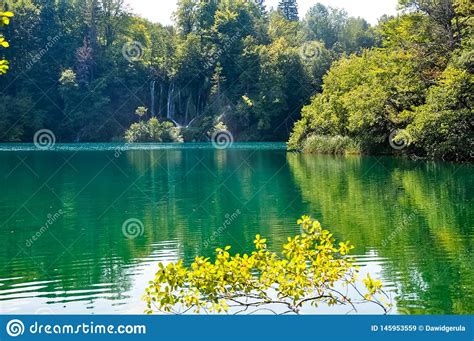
x: 65, y: 245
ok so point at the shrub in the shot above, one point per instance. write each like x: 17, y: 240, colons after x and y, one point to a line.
x: 306, y: 273
x: 153, y: 131
x: 298, y: 135
x: 333, y: 145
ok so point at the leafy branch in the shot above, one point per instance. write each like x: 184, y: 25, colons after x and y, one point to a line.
x: 4, y: 21
x: 310, y: 271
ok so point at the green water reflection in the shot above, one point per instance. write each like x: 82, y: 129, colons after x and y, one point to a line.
x: 412, y: 221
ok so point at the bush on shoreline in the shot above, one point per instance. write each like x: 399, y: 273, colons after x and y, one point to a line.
x: 331, y: 145
x: 153, y: 131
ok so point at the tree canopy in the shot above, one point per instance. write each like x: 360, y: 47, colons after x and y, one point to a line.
x: 82, y: 68
x: 289, y: 9
x: 234, y: 64
x: 413, y: 94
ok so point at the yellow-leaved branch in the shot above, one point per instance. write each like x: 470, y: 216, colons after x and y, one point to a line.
x: 311, y: 270
x: 4, y: 21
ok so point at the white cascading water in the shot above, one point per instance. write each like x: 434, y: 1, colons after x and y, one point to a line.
x: 152, y: 95
x: 171, y: 106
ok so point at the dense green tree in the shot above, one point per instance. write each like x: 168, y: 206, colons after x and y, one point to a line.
x: 443, y: 126
x: 280, y: 27
x: 324, y: 24
x: 289, y: 9
x: 283, y: 88
x: 364, y: 96
x: 185, y: 16
x: 337, y: 30
x: 415, y: 91
x: 442, y: 16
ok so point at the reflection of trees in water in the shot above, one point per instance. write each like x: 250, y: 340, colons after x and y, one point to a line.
x: 367, y: 200
x: 203, y: 186
x: 182, y: 197
x: 82, y: 248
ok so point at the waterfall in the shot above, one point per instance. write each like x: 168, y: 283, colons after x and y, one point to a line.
x: 152, y: 95
x: 186, y: 115
x: 160, y: 108
x: 198, y: 104
x: 171, y: 105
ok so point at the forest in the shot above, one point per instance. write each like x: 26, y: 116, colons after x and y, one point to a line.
x: 92, y: 71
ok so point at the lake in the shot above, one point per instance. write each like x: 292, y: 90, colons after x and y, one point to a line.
x: 83, y: 226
